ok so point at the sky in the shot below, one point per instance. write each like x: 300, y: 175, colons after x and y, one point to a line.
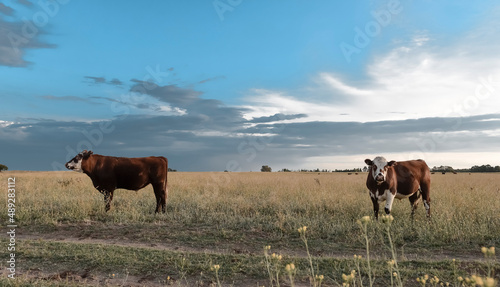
x: 233, y: 85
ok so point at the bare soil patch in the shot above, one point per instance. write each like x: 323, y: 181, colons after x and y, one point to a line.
x: 250, y: 244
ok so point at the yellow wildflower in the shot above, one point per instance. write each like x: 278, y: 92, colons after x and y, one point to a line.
x: 488, y: 252
x: 290, y: 267
x: 276, y: 256
x: 490, y: 282
x: 387, y: 219
x: 302, y: 229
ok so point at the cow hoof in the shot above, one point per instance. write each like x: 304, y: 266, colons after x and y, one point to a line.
x: 387, y: 211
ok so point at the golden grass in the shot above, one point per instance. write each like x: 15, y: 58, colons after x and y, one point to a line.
x: 464, y: 207
x: 208, y: 209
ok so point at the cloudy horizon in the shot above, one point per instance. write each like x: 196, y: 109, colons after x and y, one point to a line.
x: 323, y: 85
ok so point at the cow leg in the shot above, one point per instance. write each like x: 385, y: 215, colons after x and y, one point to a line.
x: 158, y: 201
x: 375, y: 206
x: 414, y: 199
x: 389, y: 200
x: 161, y: 197
x: 164, y: 199
x: 108, y: 197
x: 426, y: 197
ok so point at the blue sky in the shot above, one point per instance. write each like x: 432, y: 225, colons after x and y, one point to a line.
x: 217, y: 85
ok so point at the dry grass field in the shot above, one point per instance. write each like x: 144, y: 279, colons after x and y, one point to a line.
x: 64, y: 236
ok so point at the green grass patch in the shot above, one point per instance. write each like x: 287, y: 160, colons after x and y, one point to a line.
x: 187, y: 267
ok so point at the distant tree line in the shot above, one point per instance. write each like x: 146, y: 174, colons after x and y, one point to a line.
x: 321, y: 170
x: 305, y: 170
x: 442, y: 169
x: 349, y: 170
x: 475, y: 168
x: 485, y: 168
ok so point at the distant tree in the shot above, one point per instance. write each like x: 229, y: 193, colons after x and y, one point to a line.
x: 285, y: 170
x: 349, y: 170
x: 266, y: 168
x: 172, y: 170
x: 3, y: 167
x: 443, y: 168
x: 485, y: 168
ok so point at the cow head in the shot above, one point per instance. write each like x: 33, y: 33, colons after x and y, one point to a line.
x: 76, y: 162
x: 379, y: 167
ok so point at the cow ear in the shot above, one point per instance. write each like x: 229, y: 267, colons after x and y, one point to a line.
x: 86, y: 154
x: 392, y: 163
x: 368, y: 161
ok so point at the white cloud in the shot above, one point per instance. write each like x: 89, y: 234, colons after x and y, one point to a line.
x: 266, y: 102
x: 337, y: 84
x: 166, y: 109
x: 415, y: 79
x: 8, y: 131
x: 421, y: 39
x: 425, y: 81
x: 5, y: 123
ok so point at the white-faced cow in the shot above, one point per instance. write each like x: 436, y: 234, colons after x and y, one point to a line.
x: 109, y: 173
x: 402, y: 179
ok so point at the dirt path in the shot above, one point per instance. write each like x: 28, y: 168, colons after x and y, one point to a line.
x: 413, y: 255
x: 121, y: 243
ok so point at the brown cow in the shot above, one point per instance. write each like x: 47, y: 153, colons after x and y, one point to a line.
x: 402, y: 179
x: 109, y: 173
